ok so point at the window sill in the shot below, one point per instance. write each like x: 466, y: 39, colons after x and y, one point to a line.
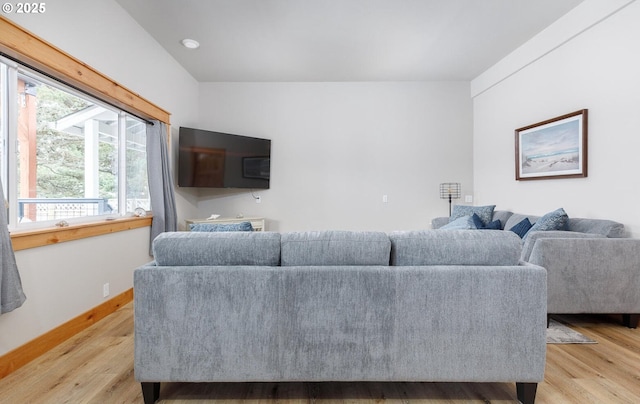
x: 25, y: 239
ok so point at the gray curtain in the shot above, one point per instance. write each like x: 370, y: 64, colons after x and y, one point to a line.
x: 163, y: 202
x: 11, y: 294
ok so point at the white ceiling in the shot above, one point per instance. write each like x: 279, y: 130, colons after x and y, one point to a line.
x: 343, y: 40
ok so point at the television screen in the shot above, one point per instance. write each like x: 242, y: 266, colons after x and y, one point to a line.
x: 208, y: 159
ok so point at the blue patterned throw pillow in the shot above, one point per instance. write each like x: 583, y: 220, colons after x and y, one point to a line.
x: 212, y: 227
x: 556, y: 220
x: 485, y: 213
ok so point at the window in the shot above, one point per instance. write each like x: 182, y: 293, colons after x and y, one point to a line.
x: 66, y: 156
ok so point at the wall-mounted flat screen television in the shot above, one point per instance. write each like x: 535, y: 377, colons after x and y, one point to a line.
x: 208, y: 159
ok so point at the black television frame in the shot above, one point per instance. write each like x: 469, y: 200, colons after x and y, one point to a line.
x: 211, y: 159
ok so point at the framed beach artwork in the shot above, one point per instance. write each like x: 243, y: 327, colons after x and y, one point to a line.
x: 555, y: 148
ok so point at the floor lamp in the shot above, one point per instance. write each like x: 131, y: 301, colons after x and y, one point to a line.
x: 450, y: 190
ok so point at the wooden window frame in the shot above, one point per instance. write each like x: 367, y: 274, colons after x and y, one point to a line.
x: 20, y: 44
x: 24, y: 239
x: 27, y: 48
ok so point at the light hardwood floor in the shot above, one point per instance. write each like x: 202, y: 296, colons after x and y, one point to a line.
x: 96, y: 366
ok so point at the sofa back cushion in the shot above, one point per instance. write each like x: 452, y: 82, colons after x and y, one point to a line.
x: 517, y: 218
x: 329, y: 248
x: 607, y: 228
x: 502, y: 216
x: 217, y: 248
x: 532, y: 238
x: 455, y: 247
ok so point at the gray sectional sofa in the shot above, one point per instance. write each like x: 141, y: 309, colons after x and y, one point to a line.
x: 422, y: 306
x: 592, y: 266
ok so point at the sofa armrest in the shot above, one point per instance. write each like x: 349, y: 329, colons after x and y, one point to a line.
x: 590, y: 275
x: 532, y: 237
x: 188, y: 319
x: 438, y: 222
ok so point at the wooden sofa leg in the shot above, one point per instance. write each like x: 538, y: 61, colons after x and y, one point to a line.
x: 630, y: 320
x: 150, y: 392
x: 526, y: 392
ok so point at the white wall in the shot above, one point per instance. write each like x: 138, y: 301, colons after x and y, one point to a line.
x: 598, y: 69
x: 337, y: 148
x: 63, y: 281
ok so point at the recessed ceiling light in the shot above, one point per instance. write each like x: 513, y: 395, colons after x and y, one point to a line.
x: 190, y: 43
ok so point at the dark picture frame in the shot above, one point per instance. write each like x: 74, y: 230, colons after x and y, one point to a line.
x: 555, y: 148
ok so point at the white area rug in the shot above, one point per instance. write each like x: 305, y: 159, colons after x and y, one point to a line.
x: 558, y: 333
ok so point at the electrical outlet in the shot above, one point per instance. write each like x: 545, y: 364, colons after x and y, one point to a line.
x: 105, y: 290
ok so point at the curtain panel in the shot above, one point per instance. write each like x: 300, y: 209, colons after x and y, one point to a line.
x: 11, y: 294
x: 161, y: 190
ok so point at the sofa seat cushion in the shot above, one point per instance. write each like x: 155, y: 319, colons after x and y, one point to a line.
x: 217, y: 248
x: 455, y: 247
x: 328, y: 248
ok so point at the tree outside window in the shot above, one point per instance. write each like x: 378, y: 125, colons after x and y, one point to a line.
x: 74, y: 156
